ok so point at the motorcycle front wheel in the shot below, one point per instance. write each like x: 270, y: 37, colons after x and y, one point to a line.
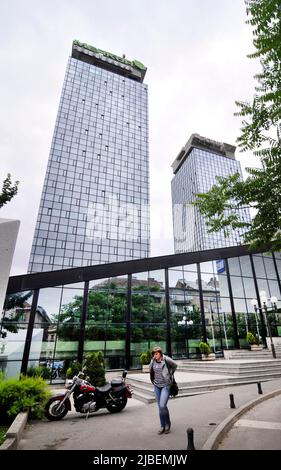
x: 115, y: 407
x: 55, y: 410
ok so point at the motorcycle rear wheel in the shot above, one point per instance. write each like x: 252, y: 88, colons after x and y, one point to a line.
x: 52, y: 412
x: 117, y: 407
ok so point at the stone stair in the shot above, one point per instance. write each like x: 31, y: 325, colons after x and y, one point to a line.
x: 197, y: 377
x: 277, y: 348
x: 253, y: 367
x: 252, y: 355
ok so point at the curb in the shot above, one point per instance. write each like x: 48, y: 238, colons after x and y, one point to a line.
x: 15, y: 431
x: 215, y: 438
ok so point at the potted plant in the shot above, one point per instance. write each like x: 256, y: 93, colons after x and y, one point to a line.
x: 145, y: 359
x: 253, y: 341
x: 206, y: 352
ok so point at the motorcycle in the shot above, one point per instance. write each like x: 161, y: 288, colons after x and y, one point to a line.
x: 56, y: 371
x: 88, y: 399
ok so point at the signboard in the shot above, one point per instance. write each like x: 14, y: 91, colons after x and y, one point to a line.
x: 220, y: 266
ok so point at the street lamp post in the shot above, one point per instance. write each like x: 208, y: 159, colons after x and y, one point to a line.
x: 184, y: 322
x: 264, y: 309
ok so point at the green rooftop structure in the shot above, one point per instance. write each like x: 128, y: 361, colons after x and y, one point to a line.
x: 107, y: 60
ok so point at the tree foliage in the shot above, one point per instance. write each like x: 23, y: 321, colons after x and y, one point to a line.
x: 22, y: 394
x: 14, y: 305
x: 261, y: 134
x: 94, y: 368
x: 106, y: 317
x: 9, y: 190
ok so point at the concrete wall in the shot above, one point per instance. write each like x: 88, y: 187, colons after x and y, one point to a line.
x: 8, y: 236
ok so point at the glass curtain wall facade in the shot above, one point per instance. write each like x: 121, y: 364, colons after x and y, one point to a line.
x: 195, y: 169
x: 95, y: 202
x: 126, y: 308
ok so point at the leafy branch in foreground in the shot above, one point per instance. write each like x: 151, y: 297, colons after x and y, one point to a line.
x: 220, y: 207
x: 8, y: 190
x: 260, y: 133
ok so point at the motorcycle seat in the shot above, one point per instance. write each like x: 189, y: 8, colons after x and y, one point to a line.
x: 116, y: 382
x: 118, y: 389
x: 104, y: 388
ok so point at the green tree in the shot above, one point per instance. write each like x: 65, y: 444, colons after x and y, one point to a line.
x: 94, y: 368
x: 69, y: 319
x: 106, y: 315
x: 193, y: 331
x: 9, y: 190
x: 14, y: 311
x: 260, y: 133
x: 104, y: 308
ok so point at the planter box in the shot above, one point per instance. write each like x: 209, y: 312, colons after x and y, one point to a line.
x: 256, y: 347
x: 145, y: 368
x: 209, y: 357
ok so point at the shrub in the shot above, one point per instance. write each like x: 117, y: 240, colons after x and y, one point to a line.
x: 251, y: 338
x: 94, y: 368
x: 145, y: 357
x: 205, y: 348
x: 67, y: 363
x: 73, y: 369
x: 3, y: 430
x: 21, y: 395
x: 40, y: 371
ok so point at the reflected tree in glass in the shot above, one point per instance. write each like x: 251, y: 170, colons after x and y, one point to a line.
x: 15, y: 305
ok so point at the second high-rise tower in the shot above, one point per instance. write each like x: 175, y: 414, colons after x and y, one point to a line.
x: 195, y: 170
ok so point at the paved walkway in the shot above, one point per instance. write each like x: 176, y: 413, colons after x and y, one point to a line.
x: 259, y: 428
x: 135, y: 428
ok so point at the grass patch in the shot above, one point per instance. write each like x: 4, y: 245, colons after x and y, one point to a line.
x: 3, y: 430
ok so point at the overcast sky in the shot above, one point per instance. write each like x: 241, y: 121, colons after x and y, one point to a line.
x: 195, y: 54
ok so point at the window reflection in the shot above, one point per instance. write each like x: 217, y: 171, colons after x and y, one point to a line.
x: 246, y: 267
x: 57, y: 327
x: 106, y: 315
x: 13, y: 331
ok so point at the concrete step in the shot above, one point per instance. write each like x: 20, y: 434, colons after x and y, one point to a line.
x: 230, y: 367
x: 225, y: 373
x: 145, y: 389
x: 233, y: 369
x: 230, y: 363
x: 238, y: 374
x: 247, y: 353
x: 251, y: 355
x: 145, y: 393
x: 145, y: 398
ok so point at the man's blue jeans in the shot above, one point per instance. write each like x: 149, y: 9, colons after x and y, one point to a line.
x: 162, y: 397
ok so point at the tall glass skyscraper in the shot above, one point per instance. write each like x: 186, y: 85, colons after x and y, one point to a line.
x: 195, y: 170
x: 95, y: 201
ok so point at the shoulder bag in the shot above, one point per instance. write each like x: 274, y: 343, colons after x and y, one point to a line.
x: 174, y: 389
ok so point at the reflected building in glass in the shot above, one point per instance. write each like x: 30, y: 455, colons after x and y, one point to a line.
x: 124, y: 309
x: 195, y: 170
x: 95, y: 201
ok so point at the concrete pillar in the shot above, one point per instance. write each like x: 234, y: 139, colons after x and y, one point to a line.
x: 8, y: 236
